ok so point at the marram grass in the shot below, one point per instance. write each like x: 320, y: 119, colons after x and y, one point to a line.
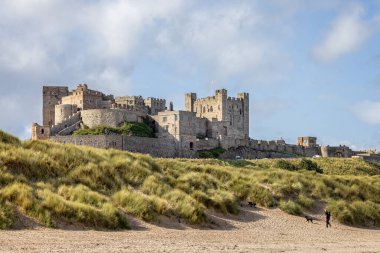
x: 54, y: 183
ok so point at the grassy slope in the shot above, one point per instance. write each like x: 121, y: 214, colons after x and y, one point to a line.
x: 52, y: 182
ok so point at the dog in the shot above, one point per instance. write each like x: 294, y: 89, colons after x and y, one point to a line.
x: 252, y: 204
x: 308, y: 218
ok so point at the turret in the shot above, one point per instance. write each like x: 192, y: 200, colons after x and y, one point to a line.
x: 245, y: 112
x: 190, y: 99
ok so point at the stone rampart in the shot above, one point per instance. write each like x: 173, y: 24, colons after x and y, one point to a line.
x: 154, y: 146
x: 110, y: 117
x: 97, y: 141
x: 67, y: 122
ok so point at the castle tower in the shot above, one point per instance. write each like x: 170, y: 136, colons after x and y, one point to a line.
x: 51, y: 96
x: 245, y: 112
x: 190, y: 99
x: 221, y: 97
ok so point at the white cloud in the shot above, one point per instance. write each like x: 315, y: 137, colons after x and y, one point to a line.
x: 65, y: 42
x: 367, y: 111
x: 229, y: 40
x: 347, y: 33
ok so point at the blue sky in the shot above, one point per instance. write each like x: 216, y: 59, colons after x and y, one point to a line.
x: 311, y: 67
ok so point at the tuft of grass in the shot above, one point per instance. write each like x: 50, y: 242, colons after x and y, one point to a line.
x: 186, y: 206
x: 107, y: 216
x: 82, y: 194
x: 364, y: 213
x: 8, y: 138
x: 290, y: 207
x: 6, y: 215
x: 135, y: 203
x: 261, y: 196
x: 23, y: 196
x: 305, y: 201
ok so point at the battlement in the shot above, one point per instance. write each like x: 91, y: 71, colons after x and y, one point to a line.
x: 206, y: 98
x: 156, y: 99
x: 221, y: 92
x: 128, y: 97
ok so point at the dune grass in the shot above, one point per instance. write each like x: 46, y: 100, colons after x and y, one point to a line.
x: 54, y: 183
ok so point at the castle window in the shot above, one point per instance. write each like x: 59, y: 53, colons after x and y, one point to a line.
x: 42, y: 131
x: 204, y: 109
x: 240, y: 111
x: 164, y: 119
x: 211, y: 110
x: 191, y: 145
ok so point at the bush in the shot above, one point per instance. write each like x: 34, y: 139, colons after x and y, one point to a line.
x: 290, y: 207
x: 211, y: 153
x: 307, y: 164
x: 285, y: 165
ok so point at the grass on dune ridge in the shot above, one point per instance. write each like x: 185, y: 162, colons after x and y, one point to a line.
x: 51, y: 182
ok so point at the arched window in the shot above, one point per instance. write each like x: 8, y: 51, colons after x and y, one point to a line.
x: 211, y: 110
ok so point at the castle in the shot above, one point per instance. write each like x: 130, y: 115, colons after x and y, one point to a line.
x: 217, y: 121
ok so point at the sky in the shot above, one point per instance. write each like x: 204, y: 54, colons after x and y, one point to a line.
x: 312, y: 68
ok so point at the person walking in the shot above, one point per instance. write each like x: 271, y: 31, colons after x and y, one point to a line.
x: 328, y: 216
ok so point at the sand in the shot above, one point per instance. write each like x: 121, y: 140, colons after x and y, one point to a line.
x: 254, y: 230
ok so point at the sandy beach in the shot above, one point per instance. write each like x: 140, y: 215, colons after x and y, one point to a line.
x: 253, y: 230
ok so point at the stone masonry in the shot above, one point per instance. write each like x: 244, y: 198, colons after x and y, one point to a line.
x: 217, y: 121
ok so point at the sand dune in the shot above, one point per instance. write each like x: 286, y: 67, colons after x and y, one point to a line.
x: 254, y: 230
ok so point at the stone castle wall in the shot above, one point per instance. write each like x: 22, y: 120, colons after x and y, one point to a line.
x: 153, y: 146
x: 67, y: 122
x: 97, y: 141
x: 205, y: 144
x: 110, y: 117
x: 64, y: 111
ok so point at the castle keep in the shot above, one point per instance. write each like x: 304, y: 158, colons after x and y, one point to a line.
x: 217, y: 121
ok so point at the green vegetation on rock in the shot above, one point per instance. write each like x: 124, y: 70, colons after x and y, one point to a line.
x: 211, y: 153
x: 54, y: 183
x: 134, y: 129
